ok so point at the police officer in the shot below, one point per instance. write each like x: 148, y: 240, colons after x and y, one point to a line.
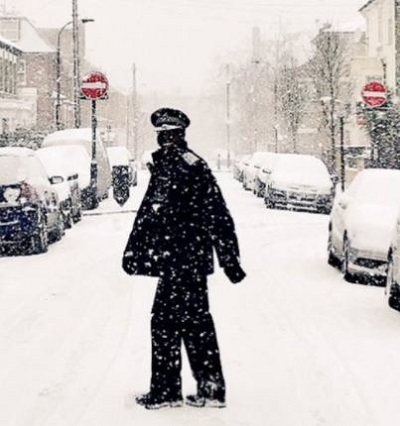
x: 182, y: 218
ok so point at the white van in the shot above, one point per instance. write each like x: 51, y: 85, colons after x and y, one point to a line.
x: 83, y: 137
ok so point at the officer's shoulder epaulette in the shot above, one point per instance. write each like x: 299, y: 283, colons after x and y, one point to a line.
x: 190, y: 158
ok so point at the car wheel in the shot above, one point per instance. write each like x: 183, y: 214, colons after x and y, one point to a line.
x: 268, y: 203
x: 333, y: 260
x: 68, y: 222
x: 39, y: 242
x: 348, y: 276
x: 77, y: 217
x: 392, y: 288
x: 324, y: 210
x: 59, y: 232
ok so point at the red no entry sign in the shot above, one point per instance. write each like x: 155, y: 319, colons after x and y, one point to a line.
x: 374, y: 94
x: 94, y: 86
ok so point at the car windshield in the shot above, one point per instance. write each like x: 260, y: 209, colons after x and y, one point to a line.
x: 378, y: 187
x: 14, y: 169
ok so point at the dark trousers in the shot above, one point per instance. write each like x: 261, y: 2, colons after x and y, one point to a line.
x: 181, y: 314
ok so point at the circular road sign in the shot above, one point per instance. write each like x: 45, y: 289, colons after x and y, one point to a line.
x: 94, y: 86
x: 374, y: 94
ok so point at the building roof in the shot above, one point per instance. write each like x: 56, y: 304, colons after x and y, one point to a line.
x: 30, y: 39
x: 7, y: 43
x: 365, y: 5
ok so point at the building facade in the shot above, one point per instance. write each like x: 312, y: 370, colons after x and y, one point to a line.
x: 16, y: 110
x: 35, y: 68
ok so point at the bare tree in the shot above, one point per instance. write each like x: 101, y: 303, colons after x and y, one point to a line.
x: 329, y: 73
x: 291, y: 98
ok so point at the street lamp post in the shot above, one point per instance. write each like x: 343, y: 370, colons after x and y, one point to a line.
x: 228, y: 119
x: 58, y: 71
x: 341, y: 117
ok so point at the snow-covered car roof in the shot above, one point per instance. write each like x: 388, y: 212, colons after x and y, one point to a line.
x: 119, y: 156
x: 21, y: 164
x: 301, y: 169
x: 70, y: 135
x: 377, y: 186
x: 259, y: 156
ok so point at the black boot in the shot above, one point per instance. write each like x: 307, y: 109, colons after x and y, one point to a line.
x: 208, y: 395
x: 202, y: 401
x: 153, y: 403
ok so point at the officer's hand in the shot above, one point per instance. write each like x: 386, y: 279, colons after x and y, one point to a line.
x: 234, y: 272
x: 127, y: 262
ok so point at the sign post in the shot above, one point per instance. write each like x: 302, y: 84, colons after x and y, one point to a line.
x: 94, y: 87
x: 375, y: 95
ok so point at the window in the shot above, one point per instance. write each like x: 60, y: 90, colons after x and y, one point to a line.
x: 10, y: 29
x: 21, y: 72
x: 2, y: 76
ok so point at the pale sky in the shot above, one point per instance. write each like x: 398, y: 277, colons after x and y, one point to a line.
x: 178, y: 44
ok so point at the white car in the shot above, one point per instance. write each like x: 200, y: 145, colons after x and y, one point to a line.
x: 83, y: 138
x: 264, y: 173
x: 362, y: 222
x: 250, y: 171
x: 238, y: 165
x: 59, y: 161
x: 301, y: 182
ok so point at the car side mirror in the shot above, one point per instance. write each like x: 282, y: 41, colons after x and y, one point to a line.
x: 54, y: 180
x: 73, y: 177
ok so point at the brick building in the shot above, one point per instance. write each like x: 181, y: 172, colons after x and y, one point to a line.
x: 16, y: 110
x: 35, y: 70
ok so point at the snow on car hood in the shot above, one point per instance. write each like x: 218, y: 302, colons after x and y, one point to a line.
x: 370, y: 226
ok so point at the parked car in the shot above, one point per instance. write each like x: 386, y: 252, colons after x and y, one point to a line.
x: 120, y: 156
x: 238, y: 165
x: 250, y: 171
x: 362, y: 222
x: 300, y: 182
x: 83, y: 138
x: 392, y: 289
x: 264, y: 173
x: 60, y: 161
x: 29, y: 208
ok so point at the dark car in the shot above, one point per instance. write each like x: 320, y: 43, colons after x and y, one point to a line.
x: 121, y: 162
x: 29, y: 206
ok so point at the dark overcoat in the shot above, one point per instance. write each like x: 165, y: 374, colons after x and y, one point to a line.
x: 183, y: 216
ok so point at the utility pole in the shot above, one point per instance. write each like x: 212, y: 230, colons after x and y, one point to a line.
x: 397, y: 44
x: 228, y: 117
x: 75, y: 51
x: 256, y: 60
x: 134, y: 112
x: 127, y: 122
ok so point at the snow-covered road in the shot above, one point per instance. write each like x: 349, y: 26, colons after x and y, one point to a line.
x: 300, y: 346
